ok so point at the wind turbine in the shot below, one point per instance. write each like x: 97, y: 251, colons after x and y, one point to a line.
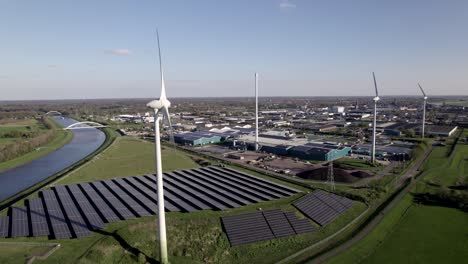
x: 374, y: 127
x: 162, y: 104
x: 256, y: 111
x: 424, y: 111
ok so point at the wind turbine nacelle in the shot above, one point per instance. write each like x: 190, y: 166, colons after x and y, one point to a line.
x: 425, y: 97
x: 159, y: 104
x: 376, y: 98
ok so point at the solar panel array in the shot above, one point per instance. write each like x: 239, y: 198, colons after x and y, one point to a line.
x: 323, y: 207
x: 4, y: 224
x: 74, y: 210
x: 263, y: 225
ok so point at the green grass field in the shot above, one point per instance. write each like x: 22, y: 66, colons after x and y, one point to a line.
x: 426, y: 234
x: 61, y: 139
x: 413, y: 233
x: 458, y: 103
x: 192, y: 237
x: 444, y: 171
x: 12, y: 253
x: 126, y: 157
x: 18, y: 126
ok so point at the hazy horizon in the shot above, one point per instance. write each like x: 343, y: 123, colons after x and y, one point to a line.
x: 107, y: 49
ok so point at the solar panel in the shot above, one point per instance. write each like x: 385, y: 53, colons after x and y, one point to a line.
x: 241, y: 189
x: 57, y: 220
x: 148, y: 207
x: 316, y: 209
x: 263, y: 225
x: 254, y: 193
x: 113, y: 201
x: 327, y: 198
x: 149, y: 185
x: 97, y: 201
x: 126, y: 199
x: 170, y: 197
x: 4, y: 226
x: 347, y: 203
x: 280, y: 188
x: 38, y: 218
x: 278, y: 223
x: 73, y: 210
x: 76, y: 221
x: 90, y: 215
x: 186, y: 197
x: 19, y: 222
x: 190, y: 189
x: 235, y: 190
x: 246, y: 228
x: 267, y: 185
x: 226, y: 191
x: 176, y: 196
x: 322, y: 207
x: 300, y: 226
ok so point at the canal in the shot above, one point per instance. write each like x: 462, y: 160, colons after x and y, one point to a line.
x: 84, y: 142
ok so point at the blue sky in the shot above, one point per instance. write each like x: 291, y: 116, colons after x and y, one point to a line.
x: 107, y: 49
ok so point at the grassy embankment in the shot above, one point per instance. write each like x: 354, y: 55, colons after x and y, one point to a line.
x: 62, y: 137
x: 457, y: 103
x: 193, y: 238
x: 31, y: 192
x: 415, y: 233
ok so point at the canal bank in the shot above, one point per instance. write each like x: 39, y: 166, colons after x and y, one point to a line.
x: 84, y: 143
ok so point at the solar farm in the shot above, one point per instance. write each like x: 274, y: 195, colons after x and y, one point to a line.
x: 263, y: 225
x: 323, y: 207
x: 75, y: 210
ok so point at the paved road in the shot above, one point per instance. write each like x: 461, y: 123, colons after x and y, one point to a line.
x: 410, y: 173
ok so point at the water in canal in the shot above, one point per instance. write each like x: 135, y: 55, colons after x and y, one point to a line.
x: 84, y: 142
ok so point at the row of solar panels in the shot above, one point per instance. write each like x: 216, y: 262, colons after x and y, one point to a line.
x: 74, y: 210
x: 263, y: 225
x: 323, y: 207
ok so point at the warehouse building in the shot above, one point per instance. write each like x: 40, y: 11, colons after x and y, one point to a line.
x: 442, y: 131
x: 322, y: 152
x: 282, y: 150
x: 197, y: 138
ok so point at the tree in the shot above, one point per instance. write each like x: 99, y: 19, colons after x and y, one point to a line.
x: 409, y: 132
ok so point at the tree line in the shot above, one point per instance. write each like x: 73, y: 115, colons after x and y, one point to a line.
x: 26, y: 141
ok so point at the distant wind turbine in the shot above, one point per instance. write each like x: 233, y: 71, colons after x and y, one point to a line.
x: 424, y: 111
x: 256, y: 112
x: 374, y: 127
x: 162, y: 104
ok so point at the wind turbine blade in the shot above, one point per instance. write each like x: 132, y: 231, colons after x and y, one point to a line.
x: 375, y: 85
x: 171, y: 130
x: 163, y: 87
x: 420, y: 87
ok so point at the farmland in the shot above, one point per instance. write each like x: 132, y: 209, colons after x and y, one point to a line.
x: 419, y: 230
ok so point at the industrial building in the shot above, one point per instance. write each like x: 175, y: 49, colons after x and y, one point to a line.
x: 322, y: 152
x: 441, y: 131
x: 197, y: 138
x: 397, y: 128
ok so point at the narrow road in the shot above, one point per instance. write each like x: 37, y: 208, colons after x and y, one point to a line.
x: 410, y: 173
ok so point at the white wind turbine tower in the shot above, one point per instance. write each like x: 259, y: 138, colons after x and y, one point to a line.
x: 374, y: 126
x: 160, y: 105
x: 256, y: 111
x: 424, y: 111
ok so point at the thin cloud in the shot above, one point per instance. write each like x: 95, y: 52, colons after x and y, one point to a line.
x: 120, y: 51
x: 52, y: 66
x: 286, y: 4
